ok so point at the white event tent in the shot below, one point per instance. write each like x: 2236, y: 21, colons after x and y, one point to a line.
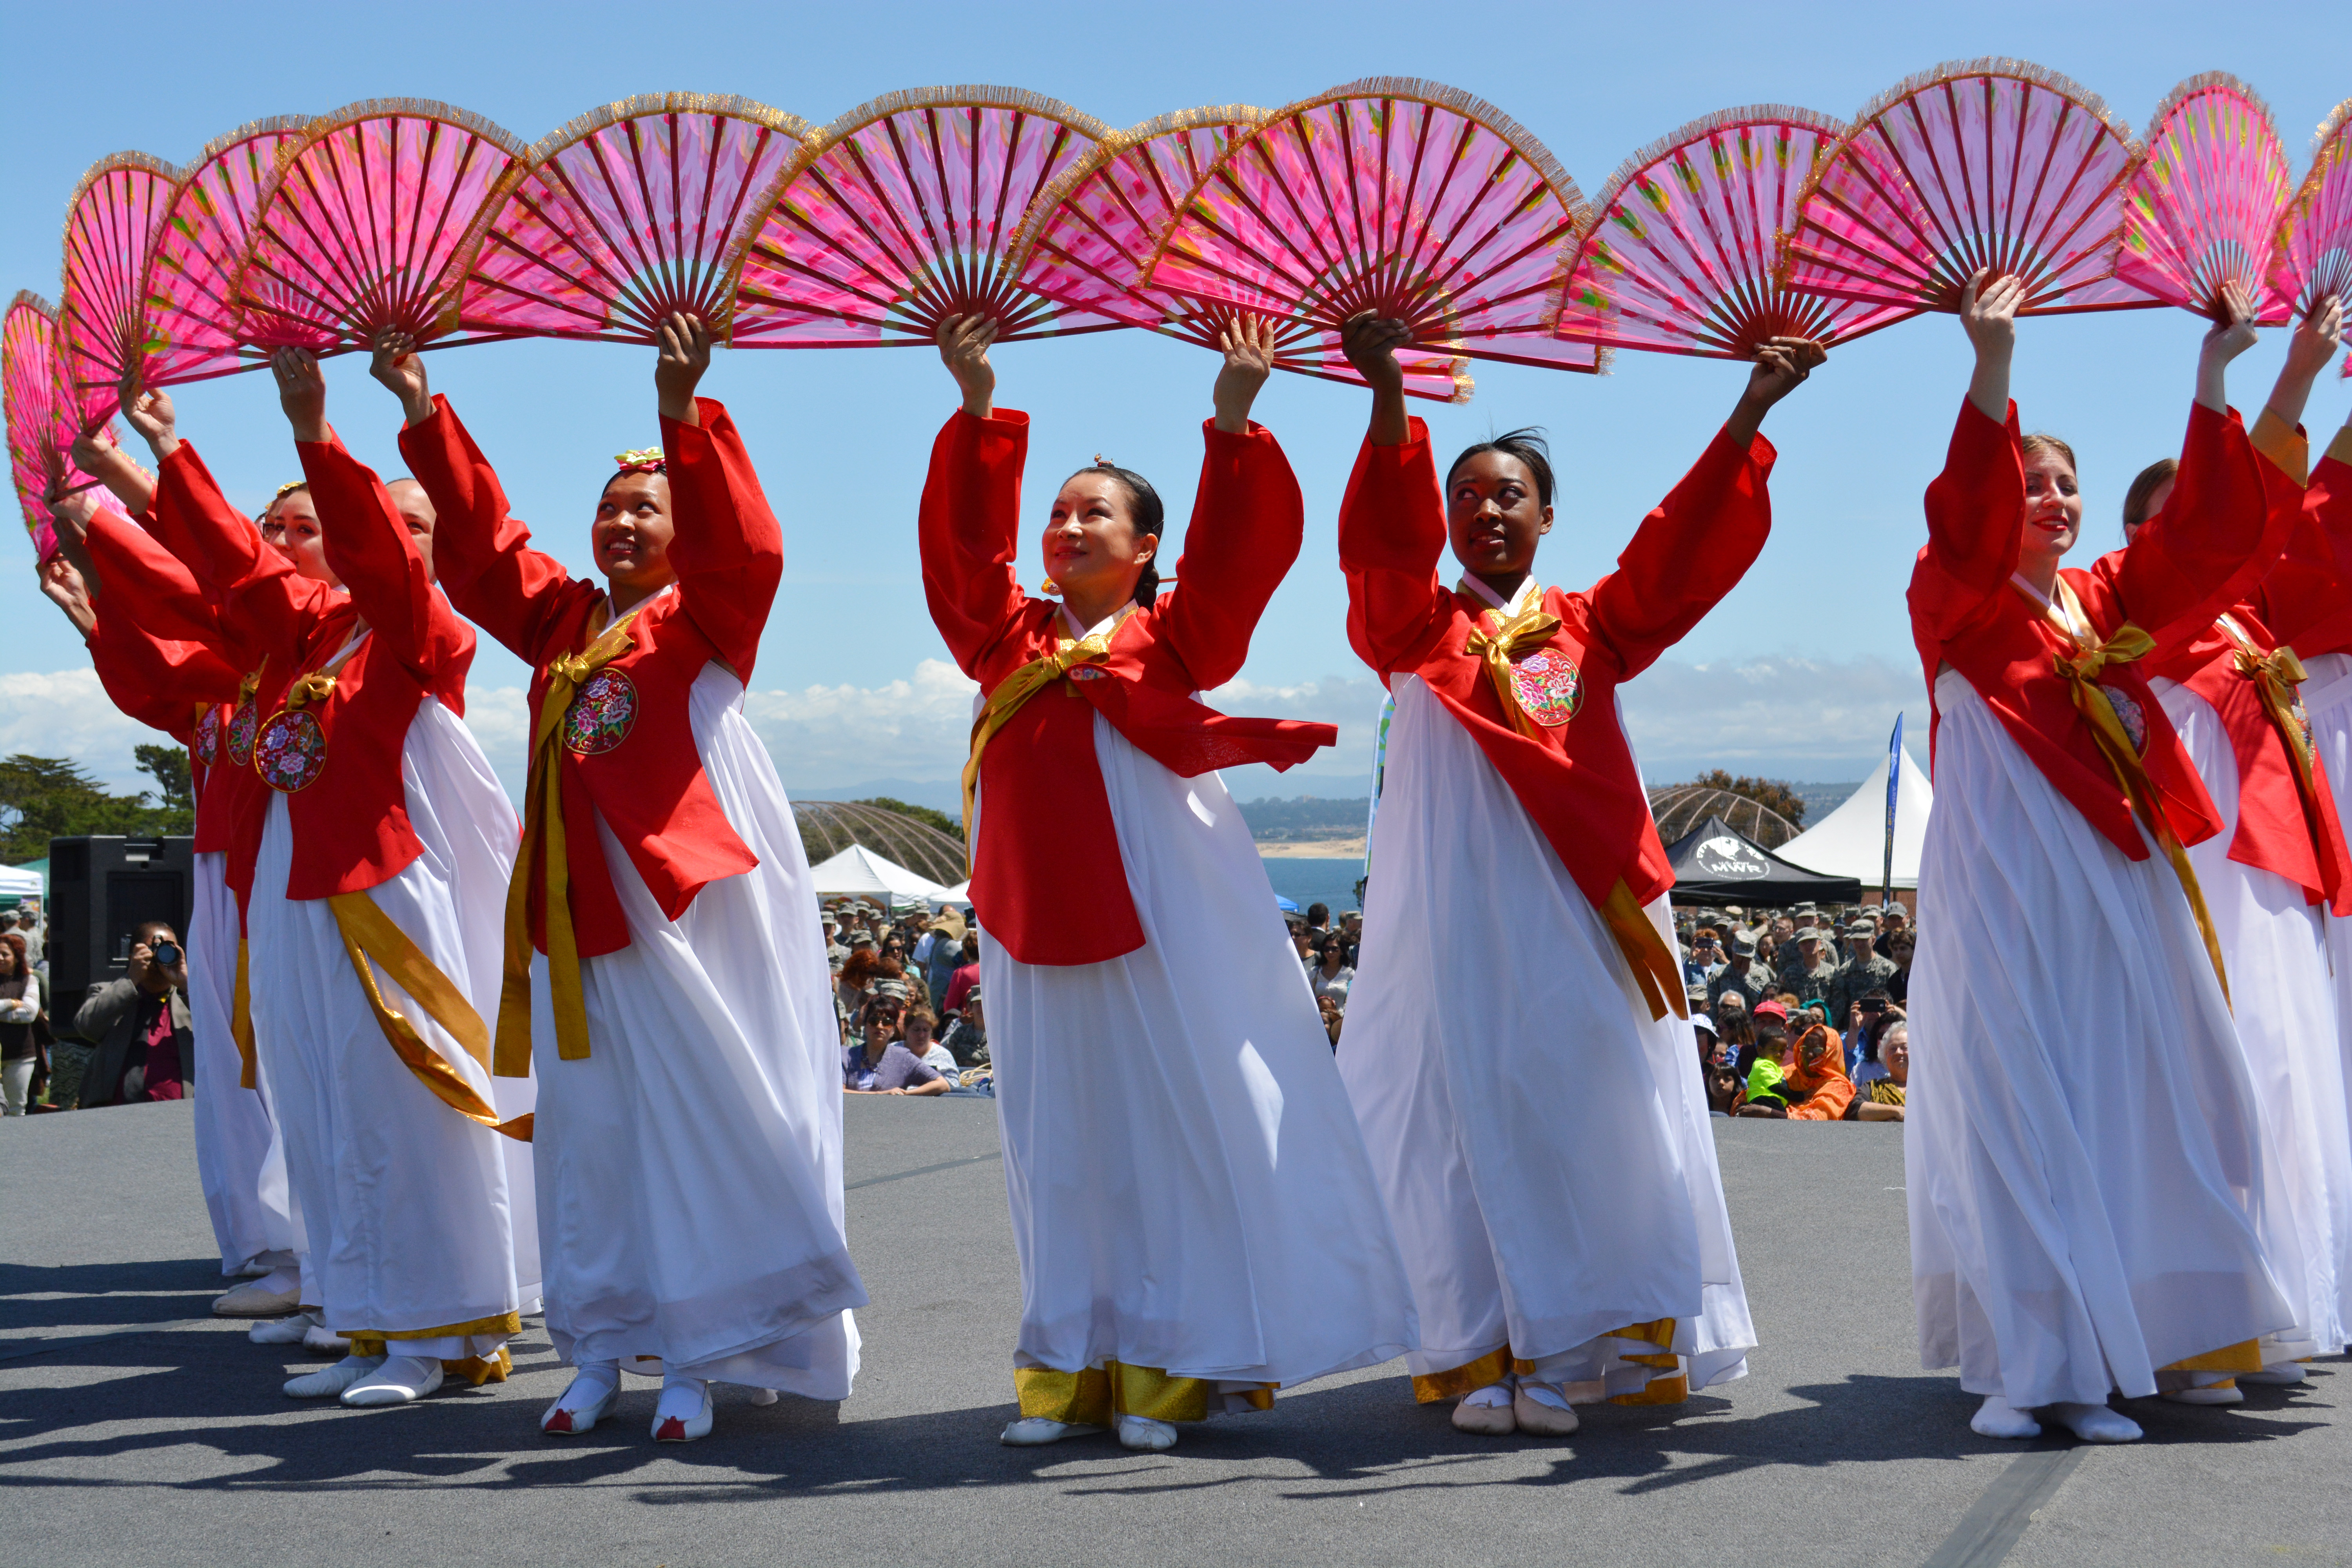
x: 21, y: 882
x: 858, y: 872
x: 1852, y: 840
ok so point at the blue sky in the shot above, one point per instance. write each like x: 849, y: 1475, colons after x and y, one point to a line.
x: 1799, y: 672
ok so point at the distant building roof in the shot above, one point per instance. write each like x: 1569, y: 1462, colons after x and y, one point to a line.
x: 1681, y: 808
x: 829, y: 826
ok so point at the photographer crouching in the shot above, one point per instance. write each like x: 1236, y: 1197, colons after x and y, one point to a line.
x: 138, y: 1026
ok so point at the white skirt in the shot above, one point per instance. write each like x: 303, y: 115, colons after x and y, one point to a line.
x: 2283, y: 1001
x: 1189, y: 1189
x: 239, y: 1162
x: 689, y: 1169
x: 2327, y: 698
x: 1543, y: 1146
x: 407, y: 1204
x: 2081, y: 1138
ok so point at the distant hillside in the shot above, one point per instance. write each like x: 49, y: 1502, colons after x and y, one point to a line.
x: 1821, y: 799
x: 1305, y: 819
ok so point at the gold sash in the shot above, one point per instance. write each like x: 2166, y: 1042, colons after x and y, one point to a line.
x: 2080, y: 668
x: 371, y: 934
x: 1512, y: 635
x: 1017, y: 689
x: 542, y: 859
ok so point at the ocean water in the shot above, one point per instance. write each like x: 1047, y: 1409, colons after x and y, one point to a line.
x: 1316, y: 881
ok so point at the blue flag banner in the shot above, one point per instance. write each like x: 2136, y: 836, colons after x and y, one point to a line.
x: 1893, y: 793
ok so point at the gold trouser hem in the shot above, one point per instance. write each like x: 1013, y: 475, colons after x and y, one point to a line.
x: 1091, y: 1397
x: 1671, y: 1387
x: 1467, y: 1378
x: 500, y: 1324
x: 2246, y: 1355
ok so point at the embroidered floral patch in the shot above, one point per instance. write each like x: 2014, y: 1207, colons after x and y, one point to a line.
x: 290, y: 752
x: 2128, y: 714
x: 209, y: 734
x: 601, y: 714
x: 241, y: 726
x: 1548, y: 687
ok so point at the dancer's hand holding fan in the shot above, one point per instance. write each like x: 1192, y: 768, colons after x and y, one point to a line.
x: 192, y: 325
x: 904, y: 213
x: 1682, y: 253
x: 112, y: 227
x: 1090, y: 236
x: 41, y: 417
x: 628, y: 215
x: 2313, y: 260
x: 367, y: 224
x: 1413, y: 201
x: 1988, y: 163
x: 2206, y: 202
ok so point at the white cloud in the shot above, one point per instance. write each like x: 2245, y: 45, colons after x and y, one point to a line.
x: 1791, y: 717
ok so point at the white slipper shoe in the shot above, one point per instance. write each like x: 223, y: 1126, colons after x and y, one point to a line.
x: 328, y: 1382
x: 1036, y: 1431
x: 320, y: 1340
x: 2281, y: 1374
x: 1486, y: 1412
x: 2221, y: 1393
x: 2098, y: 1424
x: 587, y: 1401
x: 762, y: 1396
x: 684, y: 1412
x: 256, y: 1299
x: 282, y: 1331
x: 401, y: 1380
x: 1997, y: 1417
x: 1146, y: 1435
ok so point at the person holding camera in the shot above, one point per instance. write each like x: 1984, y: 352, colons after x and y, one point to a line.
x: 139, y: 1025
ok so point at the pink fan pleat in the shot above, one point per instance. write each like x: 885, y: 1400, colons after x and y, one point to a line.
x: 1406, y: 198
x: 1094, y: 230
x: 367, y: 224
x: 192, y: 333
x: 904, y: 212
x: 1681, y: 254
x: 626, y: 215
x: 1993, y: 163
x: 2313, y: 255
x: 110, y: 227
x: 2206, y: 202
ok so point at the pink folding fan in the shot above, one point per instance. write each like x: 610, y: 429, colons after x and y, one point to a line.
x: 1681, y: 258
x: 190, y: 321
x: 1985, y: 164
x: 1091, y: 234
x: 2314, y: 254
x: 111, y: 227
x: 902, y: 212
x: 367, y: 222
x: 2205, y: 203
x: 40, y: 415
x: 1406, y: 198
x: 625, y: 216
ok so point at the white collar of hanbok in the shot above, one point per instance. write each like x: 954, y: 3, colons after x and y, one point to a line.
x: 1529, y: 591
x: 1080, y: 634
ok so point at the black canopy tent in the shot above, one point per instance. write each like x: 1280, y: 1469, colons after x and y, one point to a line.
x: 1715, y: 863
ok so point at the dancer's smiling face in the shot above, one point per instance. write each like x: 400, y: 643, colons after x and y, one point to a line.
x: 1495, y: 515
x: 2053, y: 511
x: 1092, y: 546
x: 632, y: 531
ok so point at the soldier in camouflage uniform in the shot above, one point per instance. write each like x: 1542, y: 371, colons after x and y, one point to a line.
x: 1744, y: 975
x: 1813, y: 968
x: 1866, y: 971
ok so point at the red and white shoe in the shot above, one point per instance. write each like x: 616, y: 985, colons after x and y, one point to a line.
x: 585, y: 1403
x: 676, y: 1420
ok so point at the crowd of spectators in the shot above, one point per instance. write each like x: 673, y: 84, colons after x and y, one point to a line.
x: 1801, y: 1015
x: 906, y: 999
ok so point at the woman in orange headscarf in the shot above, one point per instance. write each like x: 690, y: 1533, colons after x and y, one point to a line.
x: 1817, y: 1087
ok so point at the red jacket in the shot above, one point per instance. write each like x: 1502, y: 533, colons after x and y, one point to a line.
x: 1576, y: 780
x: 646, y: 780
x: 2280, y: 829
x: 337, y: 760
x: 2306, y: 601
x: 2179, y: 572
x: 159, y: 645
x: 1047, y: 879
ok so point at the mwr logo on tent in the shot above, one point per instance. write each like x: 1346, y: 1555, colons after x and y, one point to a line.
x: 1724, y: 856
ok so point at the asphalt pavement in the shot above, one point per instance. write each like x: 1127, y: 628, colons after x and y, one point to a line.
x: 136, y: 1429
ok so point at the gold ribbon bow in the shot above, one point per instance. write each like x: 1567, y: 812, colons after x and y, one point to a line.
x: 543, y: 859
x: 2081, y: 669
x: 1523, y: 633
x: 1017, y: 689
x: 315, y: 687
x: 251, y: 684
x: 2275, y: 676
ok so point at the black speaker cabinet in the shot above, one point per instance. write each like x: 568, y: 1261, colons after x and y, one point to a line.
x: 102, y: 887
